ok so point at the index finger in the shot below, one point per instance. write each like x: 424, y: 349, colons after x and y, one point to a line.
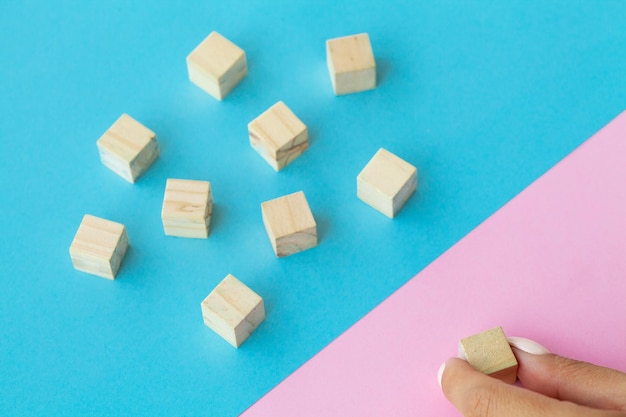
x: 572, y: 380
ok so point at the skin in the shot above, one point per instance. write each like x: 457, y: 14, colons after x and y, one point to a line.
x: 553, y: 386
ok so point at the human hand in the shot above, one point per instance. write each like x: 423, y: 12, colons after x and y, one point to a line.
x: 553, y: 386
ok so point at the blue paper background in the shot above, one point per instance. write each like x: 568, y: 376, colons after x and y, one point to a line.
x: 482, y: 97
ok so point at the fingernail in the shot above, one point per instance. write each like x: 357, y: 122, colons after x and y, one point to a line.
x: 527, y: 345
x: 440, y: 373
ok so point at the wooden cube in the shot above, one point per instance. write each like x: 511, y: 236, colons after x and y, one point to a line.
x: 386, y: 182
x: 128, y: 148
x: 232, y: 310
x: 216, y: 65
x: 351, y: 64
x: 489, y: 352
x: 99, y: 246
x: 278, y: 136
x: 187, y: 207
x: 289, y: 223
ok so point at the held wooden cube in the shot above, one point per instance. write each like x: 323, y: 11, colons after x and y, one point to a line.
x: 233, y: 311
x: 386, y: 182
x: 128, y: 148
x: 99, y: 246
x: 187, y: 207
x: 289, y: 223
x: 278, y: 136
x: 216, y: 65
x: 490, y: 353
x: 351, y: 64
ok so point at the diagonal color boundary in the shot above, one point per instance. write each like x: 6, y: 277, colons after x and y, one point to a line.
x: 549, y: 265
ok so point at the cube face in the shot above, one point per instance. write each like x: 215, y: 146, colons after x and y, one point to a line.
x: 386, y: 182
x: 216, y: 65
x: 99, y: 246
x: 187, y: 208
x: 289, y: 223
x: 278, y: 136
x: 233, y: 310
x: 490, y: 353
x: 351, y: 64
x: 128, y: 148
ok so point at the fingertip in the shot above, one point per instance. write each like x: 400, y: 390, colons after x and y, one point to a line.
x: 442, y: 369
x: 464, y: 386
x: 454, y: 369
x: 527, y: 345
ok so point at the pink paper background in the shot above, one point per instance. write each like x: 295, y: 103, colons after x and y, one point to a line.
x: 550, y: 265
